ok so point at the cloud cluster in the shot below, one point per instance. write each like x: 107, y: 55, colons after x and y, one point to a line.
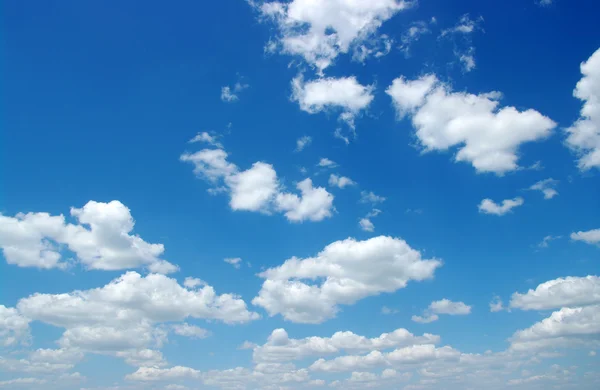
x: 319, y: 31
x: 310, y: 290
x: 258, y: 189
x: 584, y: 134
x: 101, y: 240
x: 486, y: 135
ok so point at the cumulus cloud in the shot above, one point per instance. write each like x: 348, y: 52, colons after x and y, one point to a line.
x: 280, y: 348
x: 488, y: 206
x: 319, y: 31
x: 151, y: 374
x: 324, y: 162
x: 486, y: 135
x: 546, y: 187
x: 584, y: 134
x: 191, y: 331
x: 370, y: 197
x: 569, y: 291
x: 565, y: 327
x: 231, y: 94
x: 340, y: 181
x: 496, y: 305
x: 14, y: 328
x: 123, y: 315
x: 444, y: 306
x: 591, y: 237
x: 101, y: 240
x: 205, y: 137
x: 234, y: 261
x: 345, y: 95
x: 258, y: 189
x: 366, y: 224
x: 344, y: 272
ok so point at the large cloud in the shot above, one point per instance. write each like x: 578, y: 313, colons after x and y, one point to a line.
x: 319, y: 31
x: 561, y: 292
x: 584, y: 134
x: 279, y: 347
x: 343, y: 273
x: 124, y: 314
x: 486, y: 135
x: 258, y: 188
x: 102, y: 240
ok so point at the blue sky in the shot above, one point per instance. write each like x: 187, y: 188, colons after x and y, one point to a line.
x: 300, y: 194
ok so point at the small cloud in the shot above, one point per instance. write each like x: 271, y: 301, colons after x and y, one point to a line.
x: 326, y: 163
x: 546, y: 241
x: 387, y: 311
x: 547, y: 187
x: 302, y: 143
x: 338, y: 134
x: 235, y: 261
x: 340, y: 181
x: 592, y: 353
x: 366, y: 225
x: 206, y: 138
x: 488, y: 206
x: 247, y: 345
x: 231, y: 94
x: 370, y: 197
x: 496, y: 305
x: 425, y: 319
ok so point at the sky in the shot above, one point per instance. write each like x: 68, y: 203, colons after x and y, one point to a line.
x: 300, y: 194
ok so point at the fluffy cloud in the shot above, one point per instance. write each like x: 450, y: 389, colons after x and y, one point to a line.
x: 561, y: 292
x: 345, y: 94
x: 326, y: 163
x: 258, y: 188
x: 496, y: 305
x: 150, y: 374
x: 320, y: 31
x: 590, y: 237
x: 370, y: 197
x: 486, y: 136
x: 204, y: 137
x: 279, y: 347
x: 345, y: 272
x: 366, y: 224
x: 122, y: 315
x: 547, y: 187
x: 462, y: 31
x: 415, y: 354
x: 565, y: 327
x: 191, y: 331
x: 444, y: 306
x: 584, y: 134
x: 231, y: 94
x: 102, y: 240
x: 488, y: 206
x: 340, y: 181
x: 14, y: 328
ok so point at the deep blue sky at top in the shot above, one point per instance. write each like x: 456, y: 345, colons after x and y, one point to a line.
x: 99, y: 100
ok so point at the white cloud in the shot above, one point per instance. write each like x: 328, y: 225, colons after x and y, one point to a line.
x: 142, y: 357
x: 370, y: 197
x: 344, y: 94
x: 229, y: 94
x: 21, y: 382
x: 340, y: 181
x: 303, y: 142
x: 258, y: 188
x: 425, y: 319
x: 547, y: 187
x: 467, y: 59
x: 464, y: 51
x: 565, y: 327
x: 204, y: 137
x: 591, y: 237
x: 123, y: 314
x: 561, y: 292
x: 320, y: 31
x: 487, y: 136
x: 314, y: 204
x: 235, y: 261
x: 584, y: 134
x: 192, y: 283
x: 465, y: 25
x: 280, y: 348
x: 386, y: 310
x: 101, y: 241
x: 546, y: 241
x: 444, y: 306
x: 496, y: 305
x: 545, y: 2
x: 191, y: 331
x: 412, y: 35
x: 14, y: 328
x: 344, y: 272
x: 366, y: 224
x: 488, y: 206
x: 150, y: 374
x: 324, y: 162
x: 415, y: 354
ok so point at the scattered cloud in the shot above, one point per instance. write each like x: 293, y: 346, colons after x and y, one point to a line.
x: 366, y: 224
x: 14, y: 328
x: 236, y: 262
x: 461, y: 33
x: 320, y: 31
x: 562, y: 292
x: 488, y: 206
x: 258, y: 189
x: 444, y: 306
x: 547, y: 187
x: 496, y: 305
x: 346, y: 271
x: 584, y: 134
x: 340, y: 181
x: 386, y: 310
x: 101, y: 240
x: 487, y: 137
x: 205, y: 137
x: 370, y: 197
x: 547, y: 240
x: 231, y: 94
x: 412, y: 35
x: 591, y: 237
x: 191, y: 331
x: 326, y: 163
x: 303, y: 142
x: 345, y: 95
